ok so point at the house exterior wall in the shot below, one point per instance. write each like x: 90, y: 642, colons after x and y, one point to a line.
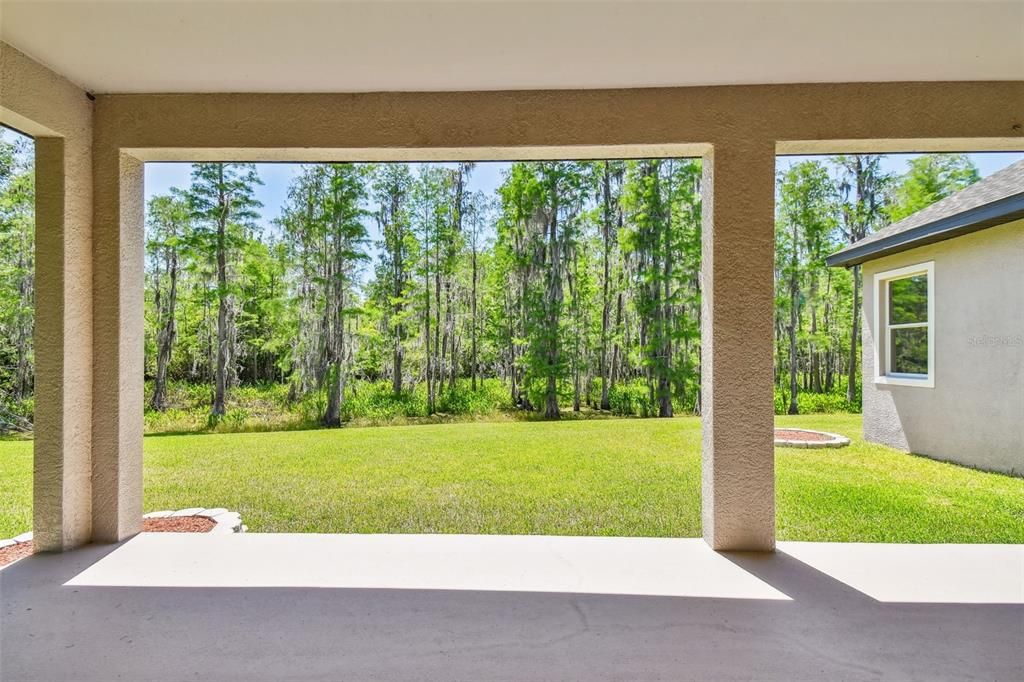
x: 974, y: 415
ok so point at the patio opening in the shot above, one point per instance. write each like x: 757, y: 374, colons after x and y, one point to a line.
x: 511, y: 347
x: 17, y: 317
x: 903, y: 345
x: 384, y: 347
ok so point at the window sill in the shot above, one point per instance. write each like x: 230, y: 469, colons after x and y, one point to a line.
x: 922, y: 382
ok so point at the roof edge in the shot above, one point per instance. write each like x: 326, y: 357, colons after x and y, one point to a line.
x: 998, y: 212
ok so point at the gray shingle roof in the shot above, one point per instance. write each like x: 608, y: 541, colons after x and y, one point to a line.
x: 995, y: 200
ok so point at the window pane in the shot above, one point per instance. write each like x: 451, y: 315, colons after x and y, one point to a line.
x: 908, y: 300
x: 909, y: 350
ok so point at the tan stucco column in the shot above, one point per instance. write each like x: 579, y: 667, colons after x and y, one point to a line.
x: 117, y: 345
x: 59, y: 116
x: 738, y: 470
x: 63, y: 372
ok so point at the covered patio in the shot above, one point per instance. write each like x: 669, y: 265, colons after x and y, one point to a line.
x: 103, y: 602
x: 276, y: 606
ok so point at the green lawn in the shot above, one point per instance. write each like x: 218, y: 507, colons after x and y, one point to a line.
x: 591, y: 477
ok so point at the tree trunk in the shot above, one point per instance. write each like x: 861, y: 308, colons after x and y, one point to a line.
x: 438, y: 350
x: 334, y: 289
x: 397, y: 292
x: 166, y: 337
x: 473, y: 352
x: 221, y: 372
x: 665, y: 365
x: 23, y: 367
x: 332, y: 415
x: 815, y: 364
x: 606, y: 303
x: 793, y: 298
x: 577, y: 332
x: 553, y: 294
x: 449, y: 332
x: 426, y: 326
x: 851, y: 379
x: 615, y: 368
x: 336, y: 369
x: 396, y: 366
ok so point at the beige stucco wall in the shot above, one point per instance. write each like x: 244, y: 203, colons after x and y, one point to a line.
x: 736, y: 128
x: 96, y: 397
x: 59, y: 115
x: 974, y: 415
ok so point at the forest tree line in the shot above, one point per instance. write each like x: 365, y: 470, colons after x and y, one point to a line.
x: 575, y: 286
x: 574, y: 283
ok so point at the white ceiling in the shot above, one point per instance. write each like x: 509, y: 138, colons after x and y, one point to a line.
x: 282, y: 46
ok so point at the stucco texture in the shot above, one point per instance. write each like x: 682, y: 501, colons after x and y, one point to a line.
x: 59, y: 116
x: 736, y: 128
x: 974, y: 415
x: 737, y: 473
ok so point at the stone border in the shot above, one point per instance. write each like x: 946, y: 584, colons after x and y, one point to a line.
x: 227, y: 521
x: 16, y: 540
x: 835, y: 440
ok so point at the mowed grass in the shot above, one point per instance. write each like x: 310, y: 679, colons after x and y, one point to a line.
x: 596, y: 477
x: 608, y: 477
x: 872, y: 493
x: 15, y: 487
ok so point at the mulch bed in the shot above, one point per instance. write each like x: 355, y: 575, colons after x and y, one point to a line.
x: 8, y: 555
x: 172, y: 524
x: 178, y: 524
x: 791, y: 434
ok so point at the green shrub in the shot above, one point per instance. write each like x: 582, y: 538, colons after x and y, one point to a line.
x: 491, y: 396
x: 816, y: 403
x: 376, y: 402
x: 632, y: 399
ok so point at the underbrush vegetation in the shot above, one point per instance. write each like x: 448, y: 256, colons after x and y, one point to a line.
x: 269, y: 407
x: 817, y: 403
x: 16, y: 416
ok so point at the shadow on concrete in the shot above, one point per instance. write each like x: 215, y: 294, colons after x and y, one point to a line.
x: 827, y: 631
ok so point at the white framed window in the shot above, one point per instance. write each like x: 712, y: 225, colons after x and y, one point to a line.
x: 905, y: 326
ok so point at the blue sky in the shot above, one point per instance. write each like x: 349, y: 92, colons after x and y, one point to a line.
x: 487, y: 176
x: 273, y: 194
x: 987, y: 162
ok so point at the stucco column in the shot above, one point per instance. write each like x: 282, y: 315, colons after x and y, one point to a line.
x: 58, y: 115
x: 63, y: 373
x: 738, y: 463
x: 117, y: 345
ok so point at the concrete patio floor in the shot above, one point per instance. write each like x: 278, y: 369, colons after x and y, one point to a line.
x: 340, y: 607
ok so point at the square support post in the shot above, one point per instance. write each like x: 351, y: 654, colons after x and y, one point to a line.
x: 59, y: 116
x: 118, y: 346
x: 738, y: 252
x: 62, y: 485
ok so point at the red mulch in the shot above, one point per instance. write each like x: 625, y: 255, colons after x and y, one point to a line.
x: 173, y: 524
x: 8, y: 555
x: 179, y: 524
x: 791, y: 434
